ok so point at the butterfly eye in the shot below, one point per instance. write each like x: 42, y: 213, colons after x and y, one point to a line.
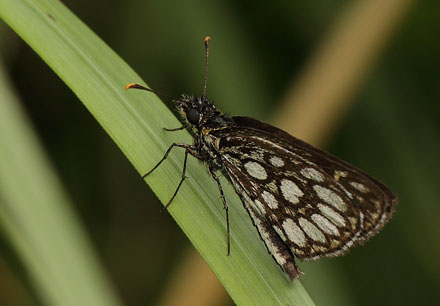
x: 193, y: 116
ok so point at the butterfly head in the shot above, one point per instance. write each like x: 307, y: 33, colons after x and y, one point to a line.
x: 195, y: 110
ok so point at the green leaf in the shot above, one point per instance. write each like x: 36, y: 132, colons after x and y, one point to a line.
x: 134, y: 120
x: 36, y: 216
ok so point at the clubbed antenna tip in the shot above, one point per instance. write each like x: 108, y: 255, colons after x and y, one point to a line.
x: 134, y: 85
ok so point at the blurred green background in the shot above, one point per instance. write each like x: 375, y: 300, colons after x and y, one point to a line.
x: 391, y: 129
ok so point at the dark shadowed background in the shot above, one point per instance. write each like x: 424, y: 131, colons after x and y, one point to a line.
x: 389, y: 126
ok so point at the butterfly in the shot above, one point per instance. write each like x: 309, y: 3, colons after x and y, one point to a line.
x: 304, y: 202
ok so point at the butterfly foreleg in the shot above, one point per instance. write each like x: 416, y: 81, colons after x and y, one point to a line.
x: 180, y: 145
x: 189, y: 149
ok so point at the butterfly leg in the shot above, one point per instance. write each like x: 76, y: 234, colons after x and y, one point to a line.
x: 185, y: 159
x: 180, y: 145
x: 189, y: 149
x: 225, y: 206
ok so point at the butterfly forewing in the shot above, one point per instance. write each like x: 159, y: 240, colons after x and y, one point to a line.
x: 316, y: 204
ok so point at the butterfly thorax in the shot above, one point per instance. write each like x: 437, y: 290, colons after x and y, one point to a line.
x: 202, y: 120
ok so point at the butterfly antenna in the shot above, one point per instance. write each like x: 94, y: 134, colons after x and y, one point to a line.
x: 137, y: 86
x: 205, y: 83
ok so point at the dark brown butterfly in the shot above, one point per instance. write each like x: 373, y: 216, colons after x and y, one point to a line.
x: 304, y: 202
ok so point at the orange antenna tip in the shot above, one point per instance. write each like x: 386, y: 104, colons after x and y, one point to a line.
x: 207, y: 38
x: 130, y: 85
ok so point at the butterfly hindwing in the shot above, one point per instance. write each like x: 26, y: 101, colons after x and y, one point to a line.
x: 318, y: 205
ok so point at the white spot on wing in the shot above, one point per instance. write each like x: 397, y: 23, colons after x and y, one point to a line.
x: 345, y: 190
x: 360, y: 187
x: 290, y: 191
x: 256, y: 170
x: 279, y: 232
x: 260, y: 207
x: 325, y: 225
x: 294, y: 233
x: 272, y: 187
x: 279, y: 258
x: 311, y: 230
x: 335, y: 217
x: 276, y: 161
x: 312, y: 174
x: 330, y: 197
x: 257, y: 155
x: 270, y: 199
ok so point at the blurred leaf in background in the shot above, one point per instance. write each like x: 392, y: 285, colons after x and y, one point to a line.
x: 391, y: 130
